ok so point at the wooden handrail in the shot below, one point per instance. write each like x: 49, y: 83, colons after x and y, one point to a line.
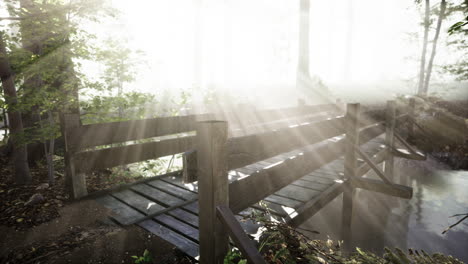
x: 373, y: 166
x: 241, y: 240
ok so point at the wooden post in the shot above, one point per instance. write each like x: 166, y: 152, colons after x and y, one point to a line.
x: 350, y: 168
x: 389, y: 139
x: 411, y: 114
x: 213, y: 189
x: 189, y: 160
x: 75, y: 183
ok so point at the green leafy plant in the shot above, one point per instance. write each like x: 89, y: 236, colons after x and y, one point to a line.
x: 145, y: 258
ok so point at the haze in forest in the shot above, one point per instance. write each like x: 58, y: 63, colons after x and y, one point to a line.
x: 250, y: 48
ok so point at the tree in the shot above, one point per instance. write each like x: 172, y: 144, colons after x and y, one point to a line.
x: 443, y: 6
x: 424, y: 49
x: 20, y: 159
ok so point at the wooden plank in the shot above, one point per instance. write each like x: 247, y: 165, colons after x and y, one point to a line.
x: 139, y: 202
x: 178, y: 226
x: 184, y: 244
x: 317, y: 186
x: 379, y: 186
x: 122, y: 213
x: 185, y: 216
x: 173, y: 189
x: 107, y: 158
x: 297, y: 193
x: 178, y: 181
x: 213, y: 189
x: 115, y: 132
x: 193, y: 207
x: 253, y: 148
x: 242, y: 241
x: 315, y: 177
x: 403, y: 153
x: 283, y: 201
x: 310, y: 208
x: 157, y: 195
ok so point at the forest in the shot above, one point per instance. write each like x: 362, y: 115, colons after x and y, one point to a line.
x: 235, y: 131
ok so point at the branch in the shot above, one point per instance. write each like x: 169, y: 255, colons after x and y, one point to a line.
x: 458, y: 222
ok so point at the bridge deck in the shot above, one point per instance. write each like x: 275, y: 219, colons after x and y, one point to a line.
x: 177, y: 221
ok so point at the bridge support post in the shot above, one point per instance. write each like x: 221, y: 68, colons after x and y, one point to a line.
x: 350, y: 168
x: 213, y: 189
x: 389, y: 139
x: 75, y: 183
x: 411, y: 114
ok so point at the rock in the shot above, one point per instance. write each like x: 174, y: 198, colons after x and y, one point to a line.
x: 35, y: 199
x: 42, y: 186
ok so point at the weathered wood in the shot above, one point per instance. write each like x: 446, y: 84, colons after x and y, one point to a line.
x: 187, y: 246
x: 310, y: 208
x: 378, y: 186
x: 297, y: 193
x: 373, y: 166
x: 241, y: 240
x: 390, y: 138
x: 350, y: 167
x: 283, y: 201
x: 116, y: 132
x: 376, y: 159
x: 152, y: 193
x: 189, y: 161
x: 75, y: 181
x: 107, y: 158
x: 253, y: 148
x: 139, y: 202
x: 413, y: 153
x: 213, y: 189
x: 121, y: 212
x: 178, y: 226
x: 173, y: 189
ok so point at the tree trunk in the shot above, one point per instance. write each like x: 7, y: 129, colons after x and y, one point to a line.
x: 443, y: 6
x: 20, y: 158
x: 424, y: 49
x: 303, y: 76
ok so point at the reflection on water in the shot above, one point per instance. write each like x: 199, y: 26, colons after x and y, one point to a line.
x: 382, y: 221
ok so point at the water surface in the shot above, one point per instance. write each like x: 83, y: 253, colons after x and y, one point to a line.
x: 382, y: 221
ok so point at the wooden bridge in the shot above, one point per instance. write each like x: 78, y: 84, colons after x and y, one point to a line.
x: 294, y: 160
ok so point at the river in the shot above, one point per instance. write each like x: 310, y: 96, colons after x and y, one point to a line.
x: 382, y: 221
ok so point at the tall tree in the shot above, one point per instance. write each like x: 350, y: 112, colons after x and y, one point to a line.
x: 443, y: 5
x: 303, y: 75
x: 20, y: 158
x: 424, y: 49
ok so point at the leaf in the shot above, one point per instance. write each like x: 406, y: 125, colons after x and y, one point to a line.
x: 19, y: 220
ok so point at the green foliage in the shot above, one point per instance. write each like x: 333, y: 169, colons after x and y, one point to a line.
x: 280, y: 243
x: 145, y: 258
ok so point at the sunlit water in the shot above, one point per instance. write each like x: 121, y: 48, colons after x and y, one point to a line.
x: 381, y: 221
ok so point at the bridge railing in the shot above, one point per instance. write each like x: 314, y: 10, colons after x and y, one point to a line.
x: 106, y: 145
x: 219, y: 199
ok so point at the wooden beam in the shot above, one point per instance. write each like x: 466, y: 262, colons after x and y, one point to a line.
x: 253, y: 148
x: 377, y: 158
x: 414, y: 154
x: 107, y: 158
x: 350, y: 168
x: 213, y: 189
x: 402, y: 153
x: 311, y: 207
x: 110, y: 133
x: 389, y: 138
x: 396, y: 190
x: 241, y: 240
x: 373, y: 166
x: 75, y: 181
x: 190, y: 166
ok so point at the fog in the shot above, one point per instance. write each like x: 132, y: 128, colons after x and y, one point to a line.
x: 249, y: 49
